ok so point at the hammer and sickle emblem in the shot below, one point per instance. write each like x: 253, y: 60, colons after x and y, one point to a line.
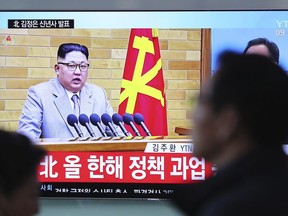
x: 138, y: 84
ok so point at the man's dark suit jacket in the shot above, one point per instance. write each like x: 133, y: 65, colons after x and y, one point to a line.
x: 256, y: 185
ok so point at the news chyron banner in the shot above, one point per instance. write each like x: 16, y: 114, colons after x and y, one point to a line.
x: 142, y: 88
x: 154, y: 173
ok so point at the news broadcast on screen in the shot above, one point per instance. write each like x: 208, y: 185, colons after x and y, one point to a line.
x: 148, y: 68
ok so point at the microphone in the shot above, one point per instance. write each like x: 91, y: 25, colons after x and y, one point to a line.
x: 139, y: 119
x: 95, y: 120
x: 128, y: 119
x: 73, y: 121
x: 84, y: 121
x: 106, y: 119
x: 118, y: 120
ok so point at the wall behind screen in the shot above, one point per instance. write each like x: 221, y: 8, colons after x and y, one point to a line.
x: 143, y: 5
x: 30, y: 56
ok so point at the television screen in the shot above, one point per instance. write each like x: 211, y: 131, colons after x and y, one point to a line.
x: 187, y: 44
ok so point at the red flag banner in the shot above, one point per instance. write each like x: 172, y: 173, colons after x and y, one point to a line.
x: 142, y: 88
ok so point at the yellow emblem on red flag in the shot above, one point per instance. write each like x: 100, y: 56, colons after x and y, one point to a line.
x: 142, y: 88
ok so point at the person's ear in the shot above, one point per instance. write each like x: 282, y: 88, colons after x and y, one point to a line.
x: 56, y: 69
x: 228, y: 121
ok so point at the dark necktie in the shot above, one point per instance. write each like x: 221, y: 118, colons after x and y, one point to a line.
x: 75, y: 100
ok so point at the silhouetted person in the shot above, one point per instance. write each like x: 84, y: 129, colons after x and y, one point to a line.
x: 19, y: 187
x: 240, y: 124
x: 262, y: 46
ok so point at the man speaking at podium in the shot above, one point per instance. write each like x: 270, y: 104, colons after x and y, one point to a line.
x: 48, y: 104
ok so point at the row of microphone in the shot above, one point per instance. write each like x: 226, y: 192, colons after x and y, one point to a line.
x: 106, y: 119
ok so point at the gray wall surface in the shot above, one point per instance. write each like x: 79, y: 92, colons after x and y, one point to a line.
x: 106, y: 207
x: 142, y: 5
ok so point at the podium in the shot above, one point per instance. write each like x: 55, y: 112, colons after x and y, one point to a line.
x: 129, y: 167
x: 108, y: 143
x: 183, y: 131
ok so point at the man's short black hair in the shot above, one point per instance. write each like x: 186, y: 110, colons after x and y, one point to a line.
x: 271, y: 46
x: 70, y: 47
x: 19, y: 159
x: 258, y: 89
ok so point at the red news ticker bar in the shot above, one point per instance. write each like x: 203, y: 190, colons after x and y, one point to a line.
x: 123, y: 167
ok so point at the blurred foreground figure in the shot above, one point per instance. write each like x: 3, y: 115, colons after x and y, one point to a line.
x: 19, y: 188
x: 241, y: 122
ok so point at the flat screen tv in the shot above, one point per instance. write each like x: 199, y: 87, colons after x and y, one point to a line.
x: 189, y: 43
